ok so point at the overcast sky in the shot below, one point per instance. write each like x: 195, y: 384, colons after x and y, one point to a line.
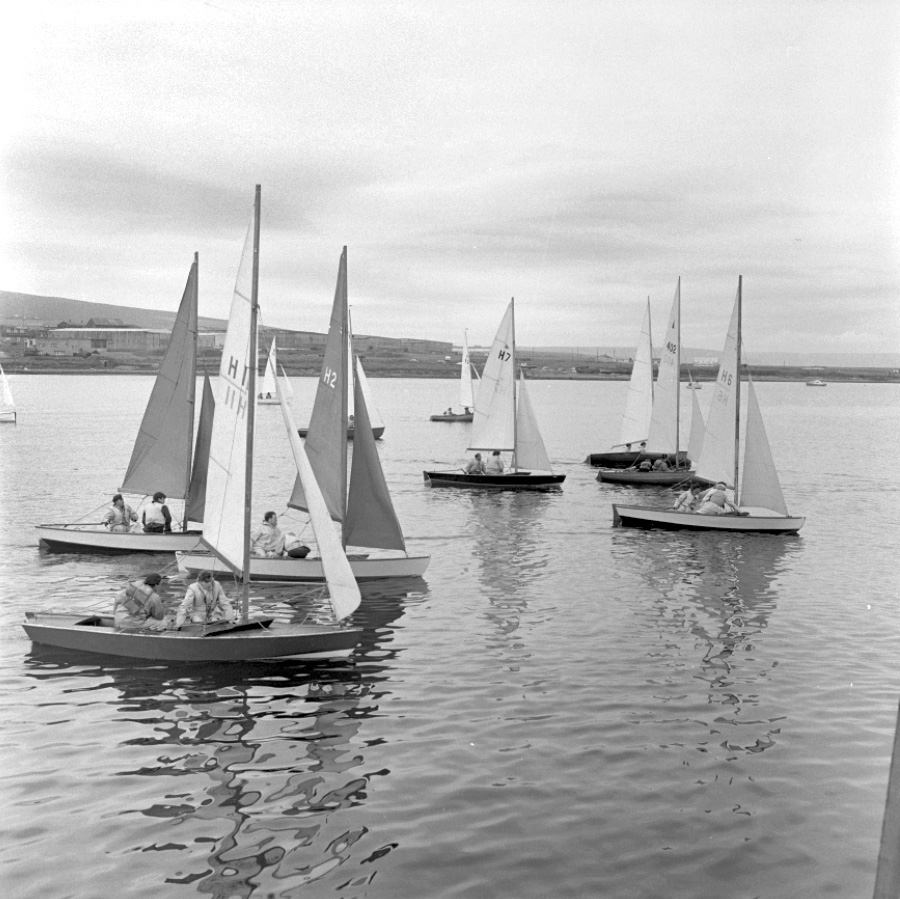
x: 579, y: 156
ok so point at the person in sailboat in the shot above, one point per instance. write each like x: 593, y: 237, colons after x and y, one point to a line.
x: 139, y: 605
x: 662, y: 463
x: 476, y: 466
x: 494, y: 464
x: 715, y: 502
x: 268, y: 539
x: 156, y: 517
x: 204, y: 602
x: 294, y: 547
x: 120, y: 516
x: 688, y: 500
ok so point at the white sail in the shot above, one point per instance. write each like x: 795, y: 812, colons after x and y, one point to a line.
x: 374, y: 415
x: 760, y: 487
x: 466, y: 395
x: 286, y: 384
x: 494, y: 421
x: 717, y: 460
x: 226, y: 484
x: 7, y: 404
x: 698, y: 430
x: 639, y: 402
x: 267, y: 389
x: 664, y: 422
x: 343, y: 590
x: 530, y: 449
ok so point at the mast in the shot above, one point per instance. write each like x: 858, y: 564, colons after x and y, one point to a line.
x: 737, y: 402
x: 515, y: 378
x: 347, y: 384
x: 678, y: 377
x: 251, y: 410
x: 192, y: 395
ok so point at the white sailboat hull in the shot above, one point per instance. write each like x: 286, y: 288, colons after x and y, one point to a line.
x: 63, y: 538
x: 97, y: 634
x: 286, y: 569
x: 756, y: 521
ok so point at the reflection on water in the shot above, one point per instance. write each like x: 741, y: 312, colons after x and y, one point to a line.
x: 721, y: 593
x: 254, y: 768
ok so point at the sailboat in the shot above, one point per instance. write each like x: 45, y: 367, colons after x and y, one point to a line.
x: 504, y: 421
x: 761, y: 501
x: 632, y: 444
x: 364, y: 507
x: 692, y: 384
x: 7, y: 404
x: 665, y: 418
x: 268, y: 395
x: 466, y: 393
x: 375, y: 421
x: 164, y: 457
x: 227, y: 531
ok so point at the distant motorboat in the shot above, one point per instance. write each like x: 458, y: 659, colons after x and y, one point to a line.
x: 817, y: 383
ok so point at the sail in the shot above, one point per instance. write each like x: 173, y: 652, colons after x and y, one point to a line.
x: 716, y: 462
x: 226, y: 483
x: 639, y: 402
x: 268, y: 384
x: 7, y: 405
x: 698, y: 430
x: 375, y: 419
x: 286, y: 384
x: 343, y: 590
x: 466, y: 395
x: 664, y: 436
x: 371, y: 519
x: 326, y: 440
x: 494, y: 421
x: 160, y: 458
x: 530, y: 450
x: 760, y: 487
x: 196, y: 501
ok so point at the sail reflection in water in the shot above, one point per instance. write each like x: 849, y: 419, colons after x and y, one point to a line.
x: 713, y: 601
x: 246, y: 788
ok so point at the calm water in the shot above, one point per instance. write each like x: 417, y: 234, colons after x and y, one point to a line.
x: 559, y: 709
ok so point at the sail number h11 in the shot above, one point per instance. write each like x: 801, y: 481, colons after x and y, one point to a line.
x: 235, y: 392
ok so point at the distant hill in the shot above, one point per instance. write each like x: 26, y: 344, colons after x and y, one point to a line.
x: 53, y: 310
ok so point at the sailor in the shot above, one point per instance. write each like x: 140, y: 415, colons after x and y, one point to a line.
x: 715, y: 502
x: 494, y: 464
x: 157, y: 517
x: 119, y: 517
x: 476, y: 466
x: 204, y: 602
x: 268, y: 539
x: 139, y: 605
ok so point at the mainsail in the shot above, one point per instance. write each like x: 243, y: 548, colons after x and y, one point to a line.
x: 639, y: 401
x: 760, y: 487
x: 161, y: 456
x: 717, y: 460
x: 494, y: 422
x: 224, y: 530
x: 664, y: 422
x: 365, y: 508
